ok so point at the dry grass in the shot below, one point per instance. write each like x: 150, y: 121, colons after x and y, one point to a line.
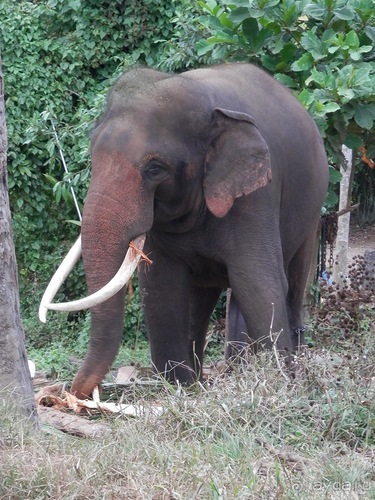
x: 247, y: 435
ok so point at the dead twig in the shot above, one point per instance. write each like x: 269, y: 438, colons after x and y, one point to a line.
x: 347, y: 209
x: 287, y: 457
x: 333, y: 416
x: 138, y: 250
x: 274, y: 344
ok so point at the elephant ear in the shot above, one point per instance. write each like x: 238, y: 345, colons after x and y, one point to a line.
x: 237, y: 163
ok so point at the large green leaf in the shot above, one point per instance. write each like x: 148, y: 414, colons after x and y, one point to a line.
x: 313, y: 44
x: 304, y: 63
x: 238, y: 15
x: 346, y: 13
x: 315, y: 11
x: 363, y: 117
x: 334, y: 175
x: 353, y: 141
x: 251, y: 30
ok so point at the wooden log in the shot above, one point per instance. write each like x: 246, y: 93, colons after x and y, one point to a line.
x: 73, y: 424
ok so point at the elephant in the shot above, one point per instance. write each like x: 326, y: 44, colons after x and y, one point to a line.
x: 222, y: 174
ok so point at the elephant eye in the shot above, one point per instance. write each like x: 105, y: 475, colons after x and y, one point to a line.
x: 154, y: 170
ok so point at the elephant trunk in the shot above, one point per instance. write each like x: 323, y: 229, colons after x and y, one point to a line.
x: 111, y: 220
x: 102, y: 257
x: 107, y: 309
x: 105, y: 340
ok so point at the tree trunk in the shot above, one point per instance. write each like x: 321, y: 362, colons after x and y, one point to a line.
x: 342, y: 241
x: 15, y: 381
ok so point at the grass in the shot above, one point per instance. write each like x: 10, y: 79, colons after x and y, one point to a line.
x: 249, y: 434
x: 58, y: 361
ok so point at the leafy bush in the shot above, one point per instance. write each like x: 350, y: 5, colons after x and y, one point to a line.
x: 179, y: 52
x: 58, y: 60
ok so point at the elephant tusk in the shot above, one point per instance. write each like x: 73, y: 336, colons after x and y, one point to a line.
x: 126, y: 270
x: 59, y: 277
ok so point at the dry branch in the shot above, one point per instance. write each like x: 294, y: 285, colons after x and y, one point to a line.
x: 72, y: 424
x: 137, y: 250
x: 61, y: 400
x: 347, y: 209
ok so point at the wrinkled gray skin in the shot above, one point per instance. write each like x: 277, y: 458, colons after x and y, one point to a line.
x: 226, y: 173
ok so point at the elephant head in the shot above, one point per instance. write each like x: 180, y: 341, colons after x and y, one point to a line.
x: 160, y: 160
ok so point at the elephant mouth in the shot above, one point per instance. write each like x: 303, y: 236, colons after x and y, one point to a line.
x: 126, y: 270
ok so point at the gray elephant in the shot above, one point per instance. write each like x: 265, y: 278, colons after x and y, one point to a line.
x: 225, y: 173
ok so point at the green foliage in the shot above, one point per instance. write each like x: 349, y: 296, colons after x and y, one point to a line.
x: 179, y: 51
x: 334, y: 180
x: 134, y: 317
x: 58, y: 59
x: 54, y: 361
x: 56, y: 346
x: 51, y: 345
x: 323, y: 49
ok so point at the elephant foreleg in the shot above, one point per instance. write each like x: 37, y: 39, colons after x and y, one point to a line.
x: 177, y: 316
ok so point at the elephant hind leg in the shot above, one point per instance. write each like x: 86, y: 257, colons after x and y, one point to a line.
x: 202, y: 304
x: 298, y: 274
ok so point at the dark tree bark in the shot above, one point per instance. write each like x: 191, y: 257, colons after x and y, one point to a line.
x: 15, y: 381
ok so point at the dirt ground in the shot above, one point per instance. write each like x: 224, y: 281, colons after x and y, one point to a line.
x: 361, y: 239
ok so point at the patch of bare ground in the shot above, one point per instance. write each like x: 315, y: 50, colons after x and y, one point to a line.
x: 361, y: 239
x: 347, y: 312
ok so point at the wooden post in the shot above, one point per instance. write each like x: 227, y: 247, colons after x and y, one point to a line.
x: 340, y: 268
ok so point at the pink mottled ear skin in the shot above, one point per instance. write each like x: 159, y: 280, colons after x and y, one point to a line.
x: 221, y: 201
x: 219, y: 207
